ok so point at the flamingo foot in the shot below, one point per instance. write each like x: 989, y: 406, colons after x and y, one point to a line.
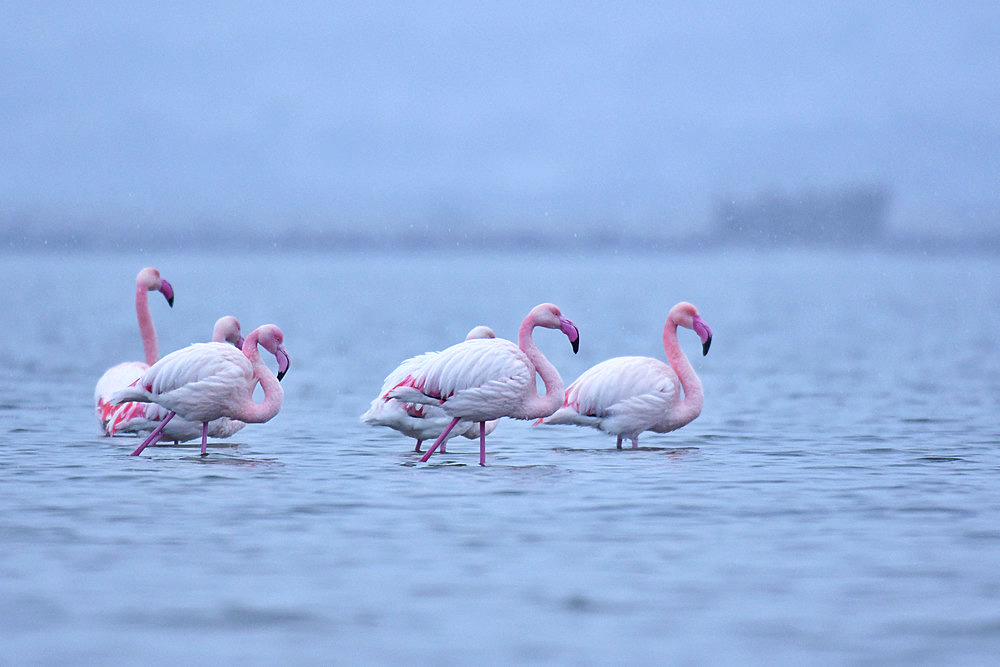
x: 153, y: 436
x: 441, y: 438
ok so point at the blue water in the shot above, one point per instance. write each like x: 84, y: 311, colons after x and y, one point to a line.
x: 838, y: 501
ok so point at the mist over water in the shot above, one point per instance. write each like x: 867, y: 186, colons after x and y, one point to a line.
x: 163, y: 124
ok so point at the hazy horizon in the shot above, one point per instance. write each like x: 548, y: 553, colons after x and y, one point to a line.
x: 553, y: 118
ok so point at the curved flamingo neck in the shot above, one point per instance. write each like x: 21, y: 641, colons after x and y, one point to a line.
x: 257, y: 413
x: 536, y: 406
x: 694, y: 397
x: 146, y: 328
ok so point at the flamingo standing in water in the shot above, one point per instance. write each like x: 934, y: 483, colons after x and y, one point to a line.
x: 625, y: 396
x: 136, y: 417
x: 418, y: 420
x: 208, y: 381
x: 121, y: 375
x: 480, y: 380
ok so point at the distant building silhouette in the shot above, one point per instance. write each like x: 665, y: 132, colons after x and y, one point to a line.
x: 848, y: 216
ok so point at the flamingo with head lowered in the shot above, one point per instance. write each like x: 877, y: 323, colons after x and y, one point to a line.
x: 480, y: 380
x: 120, y: 375
x: 625, y: 396
x: 208, y: 381
x: 419, y: 420
x: 134, y: 417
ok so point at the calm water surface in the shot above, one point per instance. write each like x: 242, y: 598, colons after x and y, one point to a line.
x: 838, y: 501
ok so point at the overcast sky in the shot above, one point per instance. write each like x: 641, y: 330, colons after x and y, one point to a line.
x: 501, y: 114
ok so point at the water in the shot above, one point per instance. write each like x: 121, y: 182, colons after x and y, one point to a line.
x: 836, y: 502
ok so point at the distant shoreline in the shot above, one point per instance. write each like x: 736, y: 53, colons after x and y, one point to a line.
x: 603, y: 240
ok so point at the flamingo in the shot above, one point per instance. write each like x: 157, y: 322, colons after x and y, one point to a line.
x: 481, y: 379
x: 136, y: 417
x: 418, y: 420
x: 208, y: 381
x: 625, y: 396
x: 120, y: 375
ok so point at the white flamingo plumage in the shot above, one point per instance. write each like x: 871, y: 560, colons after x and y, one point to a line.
x: 134, y: 417
x: 625, y: 396
x: 418, y: 420
x: 479, y: 380
x: 207, y: 381
x: 121, y: 375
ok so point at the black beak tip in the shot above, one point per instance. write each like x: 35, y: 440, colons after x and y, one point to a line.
x: 704, y: 346
x: 281, y: 374
x: 576, y: 345
x: 170, y: 302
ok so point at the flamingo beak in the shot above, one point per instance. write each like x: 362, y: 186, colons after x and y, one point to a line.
x: 283, y: 361
x: 568, y: 328
x: 239, y: 342
x: 167, y: 291
x: 704, y: 333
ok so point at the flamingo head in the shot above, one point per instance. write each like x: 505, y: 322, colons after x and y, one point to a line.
x: 480, y: 332
x: 686, y: 315
x: 149, y: 279
x: 271, y: 339
x: 548, y: 315
x: 227, y: 330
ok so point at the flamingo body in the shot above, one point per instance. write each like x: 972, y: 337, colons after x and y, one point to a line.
x: 208, y: 381
x: 626, y: 396
x: 481, y: 380
x: 418, y: 420
x: 135, y: 417
x: 197, y: 382
x: 476, y: 380
x: 121, y: 375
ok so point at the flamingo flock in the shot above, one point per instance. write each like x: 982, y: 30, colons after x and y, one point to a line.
x: 206, y: 389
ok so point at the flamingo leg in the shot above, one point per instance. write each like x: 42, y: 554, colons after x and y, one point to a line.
x: 635, y: 442
x: 444, y: 446
x: 441, y: 438
x: 417, y: 448
x: 152, y: 436
x: 619, y: 442
x: 482, y: 443
x: 204, y: 437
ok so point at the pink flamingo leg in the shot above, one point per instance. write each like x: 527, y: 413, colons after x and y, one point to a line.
x: 204, y: 437
x: 417, y: 448
x: 635, y: 442
x: 482, y: 443
x: 619, y: 442
x: 152, y: 436
x: 441, y: 438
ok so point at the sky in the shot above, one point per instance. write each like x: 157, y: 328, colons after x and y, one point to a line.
x: 456, y: 116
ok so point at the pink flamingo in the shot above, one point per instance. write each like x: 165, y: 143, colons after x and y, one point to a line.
x: 135, y: 417
x: 418, y: 420
x: 628, y: 395
x: 479, y: 380
x: 121, y: 375
x: 208, y: 381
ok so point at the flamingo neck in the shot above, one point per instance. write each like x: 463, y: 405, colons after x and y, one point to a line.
x: 536, y: 406
x: 146, y: 328
x: 694, y: 397
x: 258, y: 413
